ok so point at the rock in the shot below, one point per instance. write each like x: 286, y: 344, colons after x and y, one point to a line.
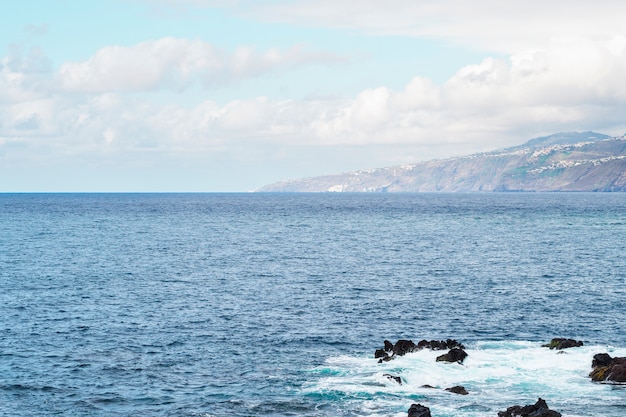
x: 380, y: 354
x: 599, y: 373
x: 560, y: 343
x: 418, y: 410
x: 388, y: 346
x: 454, y: 355
x: 439, y: 344
x: 617, y: 370
x: 394, y: 378
x: 608, y: 369
x: 601, y: 359
x: 402, y: 347
x: 458, y: 389
x: 539, y: 409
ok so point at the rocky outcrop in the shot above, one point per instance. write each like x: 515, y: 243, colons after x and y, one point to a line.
x: 560, y: 343
x: 439, y: 344
x: 454, y: 355
x: 388, y: 346
x: 418, y: 410
x: 458, y: 389
x: 380, y: 353
x: 606, y: 368
x: 393, y: 378
x: 404, y: 346
x: 539, y: 409
x: 601, y: 359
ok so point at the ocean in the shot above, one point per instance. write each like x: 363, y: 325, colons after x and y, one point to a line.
x: 274, y: 304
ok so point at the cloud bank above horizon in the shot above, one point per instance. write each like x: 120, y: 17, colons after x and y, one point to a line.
x: 229, y: 95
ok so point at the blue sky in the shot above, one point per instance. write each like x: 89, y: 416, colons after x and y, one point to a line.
x: 229, y: 95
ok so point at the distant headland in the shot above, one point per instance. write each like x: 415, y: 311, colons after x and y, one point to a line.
x: 570, y: 161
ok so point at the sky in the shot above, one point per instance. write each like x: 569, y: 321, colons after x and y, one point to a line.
x: 231, y: 95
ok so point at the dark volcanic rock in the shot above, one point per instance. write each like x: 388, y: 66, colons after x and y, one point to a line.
x: 617, y: 370
x: 402, y: 347
x: 560, y: 343
x: 608, y: 369
x: 388, y: 346
x: 601, y: 359
x: 418, y: 410
x: 539, y: 409
x: 394, y: 378
x: 458, y: 389
x: 599, y: 373
x: 380, y: 354
x: 439, y: 344
x: 455, y: 355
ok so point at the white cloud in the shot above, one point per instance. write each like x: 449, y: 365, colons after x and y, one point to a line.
x: 175, y: 64
x: 23, y: 74
x: 497, y: 102
x: 557, y: 65
x: 505, y: 27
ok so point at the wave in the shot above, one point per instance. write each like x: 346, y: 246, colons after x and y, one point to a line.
x: 496, y: 375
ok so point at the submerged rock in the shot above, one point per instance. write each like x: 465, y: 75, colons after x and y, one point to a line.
x: 455, y: 355
x: 418, y: 410
x: 393, y: 378
x: 606, y: 368
x: 458, y: 389
x: 539, y: 409
x: 560, y: 343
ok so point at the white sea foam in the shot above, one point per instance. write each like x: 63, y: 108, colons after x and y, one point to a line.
x: 496, y: 375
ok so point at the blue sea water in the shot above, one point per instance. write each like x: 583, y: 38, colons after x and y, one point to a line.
x: 273, y: 304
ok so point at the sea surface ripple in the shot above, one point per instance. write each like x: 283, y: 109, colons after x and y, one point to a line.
x: 273, y: 304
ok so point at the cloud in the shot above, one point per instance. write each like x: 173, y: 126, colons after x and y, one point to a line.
x: 175, y: 64
x: 566, y: 86
x: 504, y: 27
x: 26, y: 62
x: 493, y: 103
x: 25, y: 75
x: 30, y: 122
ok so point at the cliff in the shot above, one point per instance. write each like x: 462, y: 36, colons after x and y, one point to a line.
x: 562, y: 162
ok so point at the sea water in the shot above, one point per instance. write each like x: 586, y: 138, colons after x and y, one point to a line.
x: 273, y: 304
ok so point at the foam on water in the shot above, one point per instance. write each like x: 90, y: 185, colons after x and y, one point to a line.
x: 497, y: 375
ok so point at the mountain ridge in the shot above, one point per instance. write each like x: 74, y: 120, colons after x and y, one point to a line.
x: 566, y: 161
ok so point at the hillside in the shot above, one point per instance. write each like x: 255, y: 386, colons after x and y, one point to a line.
x: 562, y: 162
